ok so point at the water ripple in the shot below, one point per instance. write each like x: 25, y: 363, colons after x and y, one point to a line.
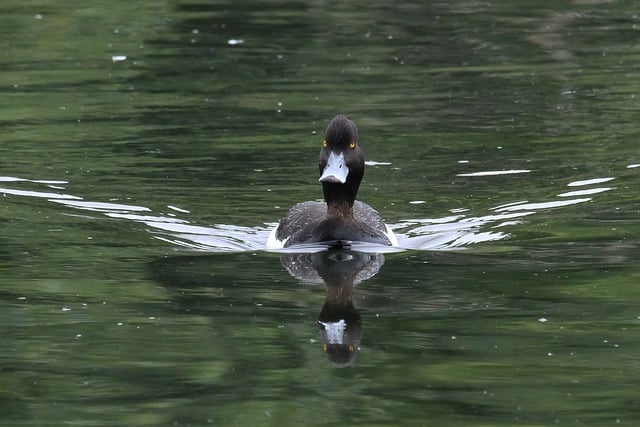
x: 451, y: 232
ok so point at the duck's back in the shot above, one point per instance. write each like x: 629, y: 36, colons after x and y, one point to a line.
x: 307, y: 222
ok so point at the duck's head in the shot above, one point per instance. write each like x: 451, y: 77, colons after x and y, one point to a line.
x: 341, y: 161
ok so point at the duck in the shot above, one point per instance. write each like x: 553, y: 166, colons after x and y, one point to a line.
x: 340, y: 219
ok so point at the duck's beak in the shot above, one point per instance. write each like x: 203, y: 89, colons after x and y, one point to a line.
x: 336, y: 170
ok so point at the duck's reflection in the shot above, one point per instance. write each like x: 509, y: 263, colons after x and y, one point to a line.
x: 339, y: 321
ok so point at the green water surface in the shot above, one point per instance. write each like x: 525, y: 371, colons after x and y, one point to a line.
x: 148, y: 147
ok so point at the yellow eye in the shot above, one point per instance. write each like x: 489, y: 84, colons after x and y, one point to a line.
x: 352, y: 145
x: 324, y: 144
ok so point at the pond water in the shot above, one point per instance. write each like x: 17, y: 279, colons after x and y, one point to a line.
x: 149, y: 148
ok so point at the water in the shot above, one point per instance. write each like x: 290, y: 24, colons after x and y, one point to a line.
x: 147, y: 150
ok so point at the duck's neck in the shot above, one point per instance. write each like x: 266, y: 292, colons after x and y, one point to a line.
x: 340, y: 199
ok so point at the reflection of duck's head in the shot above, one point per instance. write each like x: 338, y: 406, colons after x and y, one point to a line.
x: 340, y: 330
x: 341, y: 218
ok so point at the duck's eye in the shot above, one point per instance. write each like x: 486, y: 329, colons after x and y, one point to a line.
x: 324, y: 144
x: 352, y: 145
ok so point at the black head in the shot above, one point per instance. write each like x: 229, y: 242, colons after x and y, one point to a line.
x: 341, y: 161
x: 340, y: 133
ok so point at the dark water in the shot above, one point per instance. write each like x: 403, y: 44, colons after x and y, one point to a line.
x: 147, y: 148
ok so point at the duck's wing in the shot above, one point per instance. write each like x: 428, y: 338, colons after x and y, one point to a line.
x: 375, y: 227
x: 299, y: 222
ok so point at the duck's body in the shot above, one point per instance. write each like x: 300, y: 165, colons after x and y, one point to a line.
x: 340, y: 219
x: 308, y: 222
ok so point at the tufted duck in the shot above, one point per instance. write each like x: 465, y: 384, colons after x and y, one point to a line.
x: 340, y: 219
